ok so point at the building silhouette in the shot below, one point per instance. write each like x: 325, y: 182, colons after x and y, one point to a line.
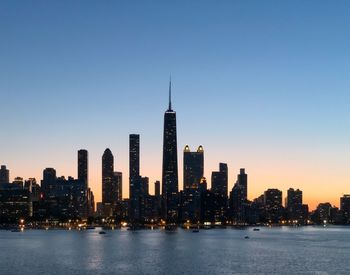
x: 193, y: 170
x: 294, y: 206
x: 118, y: 181
x: 219, y: 182
x: 83, y: 175
x: 134, y: 177
x: 238, y: 198
x: 273, y: 205
x: 345, y: 208
x: 83, y: 166
x: 158, y: 198
x: 49, y: 179
x: 109, y: 189
x: 170, y: 166
x: 4, y: 174
x: 193, y: 167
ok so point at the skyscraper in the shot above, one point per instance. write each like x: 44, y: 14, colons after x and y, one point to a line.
x: 294, y: 205
x: 134, y: 176
x: 157, y: 188
x: 273, y: 205
x: 193, y: 167
x: 345, y: 207
x: 219, y: 180
x: 238, y: 198
x: 4, y: 175
x: 170, y: 169
x: 118, y: 181
x: 49, y: 179
x: 108, y: 196
x: 193, y: 170
x: 83, y: 166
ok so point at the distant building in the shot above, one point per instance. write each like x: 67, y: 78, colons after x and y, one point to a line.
x: 208, y: 208
x: 108, y: 186
x: 294, y: 206
x: 49, y: 179
x: 14, y: 203
x: 99, y: 209
x: 90, y: 203
x: 158, y: 198
x: 170, y: 185
x: 83, y: 175
x: 190, y: 205
x: 323, y: 214
x: 63, y: 198
x: 157, y: 188
x: 345, y: 208
x: 219, y: 180
x: 4, y: 174
x: 238, y: 198
x: 118, y: 182
x: 83, y: 166
x: 19, y: 182
x: 219, y: 183
x: 273, y: 205
x: 135, y: 184
x: 193, y: 167
x: 193, y: 174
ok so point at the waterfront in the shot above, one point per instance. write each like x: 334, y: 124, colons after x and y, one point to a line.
x: 280, y: 250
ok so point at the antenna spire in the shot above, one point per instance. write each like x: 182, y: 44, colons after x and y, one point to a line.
x: 170, y: 108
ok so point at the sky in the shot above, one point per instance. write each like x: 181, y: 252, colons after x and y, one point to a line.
x: 262, y: 85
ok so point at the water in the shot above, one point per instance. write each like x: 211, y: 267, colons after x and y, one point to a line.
x: 306, y: 250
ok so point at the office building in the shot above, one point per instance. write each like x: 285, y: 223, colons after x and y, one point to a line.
x: 170, y: 183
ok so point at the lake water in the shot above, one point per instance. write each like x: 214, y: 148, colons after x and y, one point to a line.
x: 283, y: 250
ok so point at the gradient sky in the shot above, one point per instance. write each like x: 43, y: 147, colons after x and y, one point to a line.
x: 260, y: 84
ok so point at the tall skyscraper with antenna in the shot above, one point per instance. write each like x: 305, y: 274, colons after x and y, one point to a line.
x: 170, y: 166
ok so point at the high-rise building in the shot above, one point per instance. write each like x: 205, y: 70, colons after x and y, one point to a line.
x: 63, y: 198
x: 4, y: 174
x: 193, y: 170
x: 170, y: 183
x: 158, y: 198
x: 108, y: 196
x: 134, y: 177
x: 83, y: 176
x: 294, y: 205
x: 345, y: 207
x: 193, y: 167
x: 91, y: 203
x: 83, y: 166
x: 157, y: 188
x: 238, y: 198
x: 19, y: 182
x: 118, y: 181
x: 219, y: 180
x: 145, y: 186
x: 49, y: 179
x: 273, y: 205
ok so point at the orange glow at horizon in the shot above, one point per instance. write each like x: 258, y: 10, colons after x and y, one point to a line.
x: 274, y: 172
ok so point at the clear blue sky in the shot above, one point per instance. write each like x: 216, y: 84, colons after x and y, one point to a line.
x: 260, y: 84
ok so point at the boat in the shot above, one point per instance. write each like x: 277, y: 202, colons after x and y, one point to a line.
x: 90, y: 227
x: 195, y: 231
x: 256, y: 229
x: 246, y: 237
x: 102, y: 233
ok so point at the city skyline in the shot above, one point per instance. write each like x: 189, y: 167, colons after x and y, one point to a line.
x: 260, y: 87
x: 135, y: 141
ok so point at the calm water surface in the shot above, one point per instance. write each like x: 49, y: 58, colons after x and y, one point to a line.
x: 307, y: 250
